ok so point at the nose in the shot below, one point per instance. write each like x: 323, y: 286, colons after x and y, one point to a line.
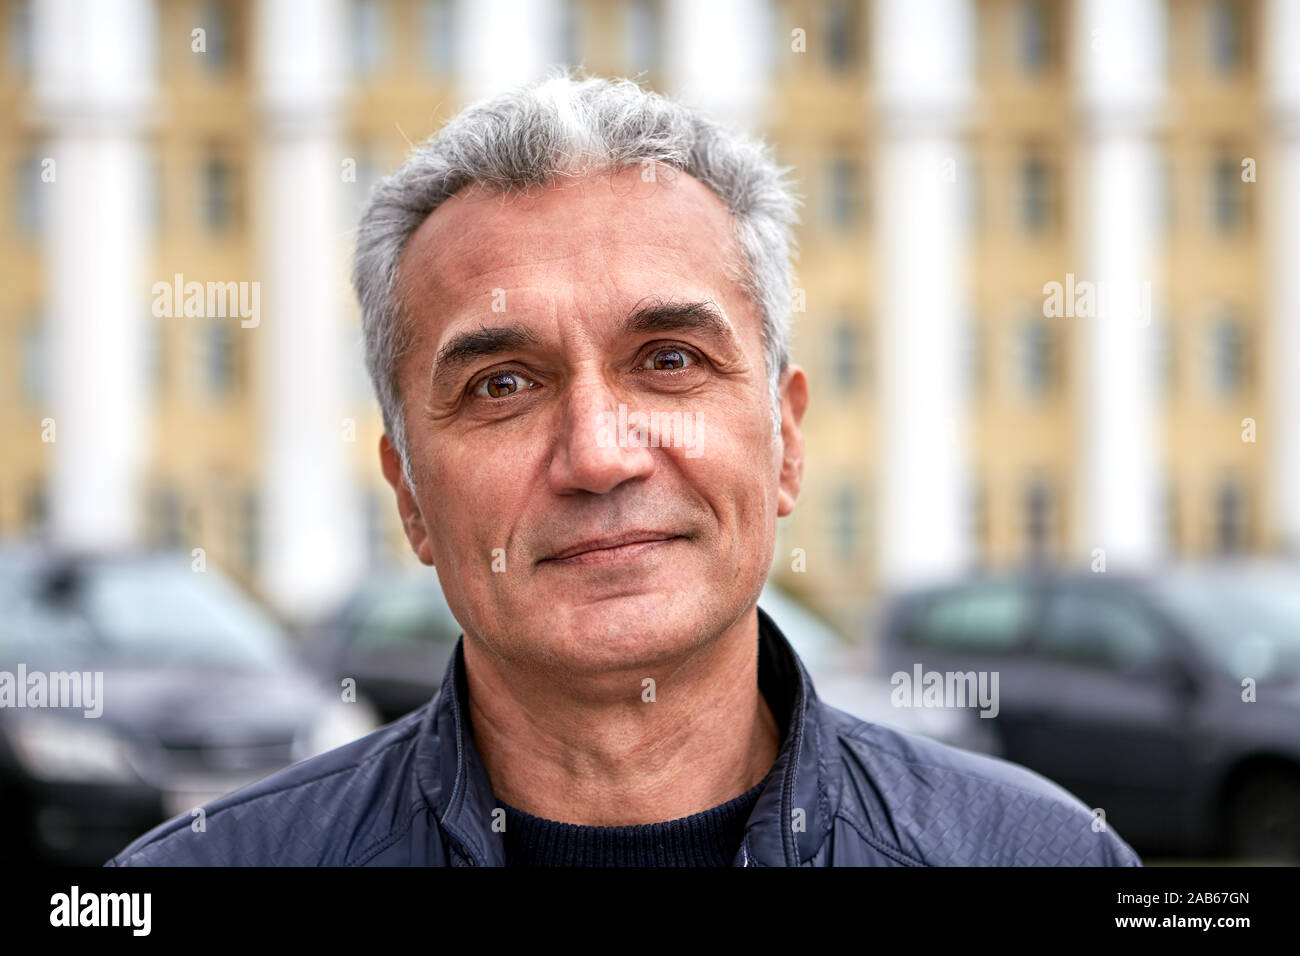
x: 593, y: 453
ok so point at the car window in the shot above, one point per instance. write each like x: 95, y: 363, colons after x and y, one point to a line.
x: 982, y: 619
x: 1100, y: 631
x: 161, y: 610
x: 399, y: 618
x: 143, y: 611
x: 33, y: 632
x: 1249, y: 622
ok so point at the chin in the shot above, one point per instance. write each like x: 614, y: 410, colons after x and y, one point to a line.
x: 639, y: 631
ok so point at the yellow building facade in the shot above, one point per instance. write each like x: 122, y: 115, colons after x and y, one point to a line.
x: 1018, y: 177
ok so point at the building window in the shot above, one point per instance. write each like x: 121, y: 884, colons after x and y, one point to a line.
x: 29, y: 201
x: 1226, y: 198
x: 974, y: 196
x: 569, y: 33
x: 1226, y: 36
x: 1170, y: 517
x: 843, y: 206
x: 1034, y: 36
x: 252, y: 529
x: 841, y: 28
x: 1038, y: 358
x: 219, y: 195
x: 214, y: 18
x: 1229, y: 518
x: 1037, y: 195
x: 439, y: 31
x: 34, y: 362
x: 1229, y: 357
x: 218, y: 358
x: 1039, y: 518
x: 1166, y: 356
x: 846, y: 522
x: 641, y: 35
x: 18, y: 37
x: 156, y: 354
x: 374, y: 511
x: 155, y: 194
x: 978, y: 519
x: 973, y: 354
x: 36, y: 510
x: 366, y: 173
x: 1166, y: 206
x: 167, y: 518
x: 359, y: 376
x: 845, y: 357
x: 367, y: 36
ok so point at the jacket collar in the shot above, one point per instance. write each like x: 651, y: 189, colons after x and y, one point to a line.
x: 787, y: 826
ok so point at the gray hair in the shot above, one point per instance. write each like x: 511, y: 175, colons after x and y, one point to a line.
x: 568, y: 126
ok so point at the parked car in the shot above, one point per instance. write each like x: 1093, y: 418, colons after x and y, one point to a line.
x: 200, y: 694
x: 395, y: 635
x: 1170, y: 702
x: 844, y: 678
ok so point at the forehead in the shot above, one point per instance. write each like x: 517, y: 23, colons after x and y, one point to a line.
x: 608, y: 230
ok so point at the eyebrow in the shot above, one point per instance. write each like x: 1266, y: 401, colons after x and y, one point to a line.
x: 658, y: 316
x: 654, y: 316
x: 465, y: 347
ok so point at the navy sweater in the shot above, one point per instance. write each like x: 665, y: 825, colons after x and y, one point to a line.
x: 709, y: 838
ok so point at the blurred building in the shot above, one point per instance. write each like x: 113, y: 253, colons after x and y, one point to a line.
x: 956, y: 157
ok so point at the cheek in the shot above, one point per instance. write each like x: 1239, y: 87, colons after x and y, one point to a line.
x: 472, y: 498
x: 745, y: 444
x: 737, y: 474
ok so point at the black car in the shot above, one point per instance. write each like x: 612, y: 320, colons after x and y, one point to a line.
x: 1168, y: 702
x: 187, y: 691
x: 393, y: 638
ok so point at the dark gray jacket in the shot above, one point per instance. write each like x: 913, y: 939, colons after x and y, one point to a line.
x: 842, y: 792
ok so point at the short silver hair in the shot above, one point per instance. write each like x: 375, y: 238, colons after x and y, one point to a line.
x: 562, y: 127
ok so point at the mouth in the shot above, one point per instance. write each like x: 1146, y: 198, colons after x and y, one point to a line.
x: 610, y: 548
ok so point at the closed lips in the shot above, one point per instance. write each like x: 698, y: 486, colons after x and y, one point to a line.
x: 614, y: 541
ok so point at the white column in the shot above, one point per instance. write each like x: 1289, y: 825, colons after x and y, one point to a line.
x: 311, y: 510
x: 94, y: 85
x: 1120, y: 56
x: 504, y: 43
x: 923, y: 51
x: 1282, y: 33
x: 718, y: 56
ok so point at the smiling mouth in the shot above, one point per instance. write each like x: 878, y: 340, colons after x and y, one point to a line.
x: 614, y: 548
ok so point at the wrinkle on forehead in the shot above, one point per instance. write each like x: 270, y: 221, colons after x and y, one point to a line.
x: 459, y: 244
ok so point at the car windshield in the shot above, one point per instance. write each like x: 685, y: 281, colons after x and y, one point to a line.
x: 135, y: 612
x: 1248, y: 622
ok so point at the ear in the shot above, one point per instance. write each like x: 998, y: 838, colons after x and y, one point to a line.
x: 412, y: 520
x: 794, y: 399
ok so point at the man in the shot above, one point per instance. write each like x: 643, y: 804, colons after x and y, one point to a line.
x: 575, y: 302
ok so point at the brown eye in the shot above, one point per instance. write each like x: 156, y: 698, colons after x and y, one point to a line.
x: 666, y: 360
x: 501, y: 384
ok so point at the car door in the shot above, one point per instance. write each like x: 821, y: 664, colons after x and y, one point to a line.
x: 982, y: 627
x: 1116, y: 728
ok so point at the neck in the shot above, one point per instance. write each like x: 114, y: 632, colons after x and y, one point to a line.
x: 580, y: 755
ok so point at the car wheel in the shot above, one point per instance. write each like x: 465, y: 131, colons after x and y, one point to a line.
x: 1264, y: 817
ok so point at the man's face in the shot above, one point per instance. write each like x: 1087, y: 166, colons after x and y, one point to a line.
x: 535, y: 318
